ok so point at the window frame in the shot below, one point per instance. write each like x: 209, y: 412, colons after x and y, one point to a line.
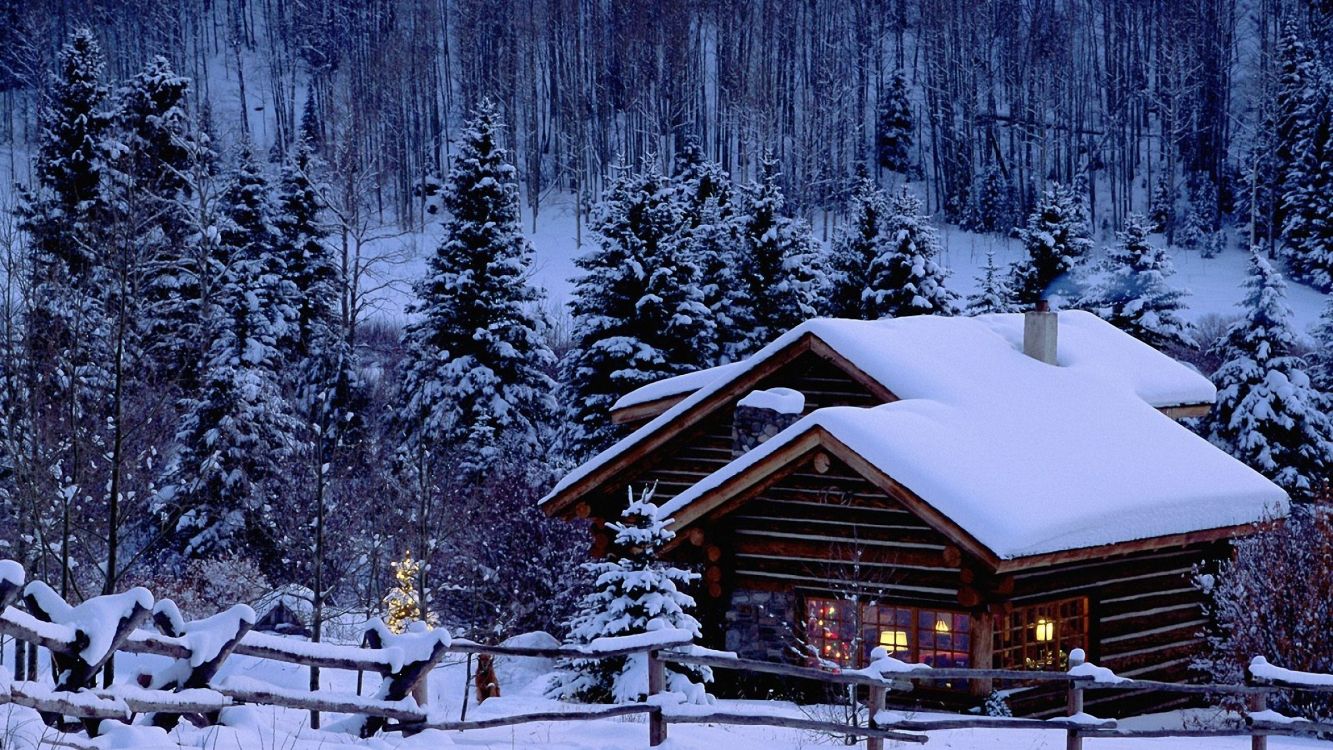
x: 1039, y: 636
x: 915, y: 626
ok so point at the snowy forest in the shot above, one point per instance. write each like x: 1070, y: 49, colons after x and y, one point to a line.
x: 200, y: 393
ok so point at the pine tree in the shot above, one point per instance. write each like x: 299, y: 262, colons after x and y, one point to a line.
x: 307, y: 261
x: 152, y: 184
x: 699, y: 180
x: 1134, y: 296
x: 1321, y: 365
x: 855, y: 247
x: 1162, y: 205
x: 1293, y: 120
x: 993, y: 294
x: 893, y: 134
x: 1267, y: 413
x: 1056, y: 239
x: 634, y: 592
x: 238, y: 434
x: 475, y: 371
x: 1308, y: 231
x: 780, y: 265
x: 906, y: 277
x: 709, y: 237
x: 639, y: 312
x: 991, y: 205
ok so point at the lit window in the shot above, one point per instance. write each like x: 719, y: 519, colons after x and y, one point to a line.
x: 1042, y: 635
x: 842, y: 632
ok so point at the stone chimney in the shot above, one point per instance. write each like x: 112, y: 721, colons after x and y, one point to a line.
x: 1040, y: 331
x: 763, y: 414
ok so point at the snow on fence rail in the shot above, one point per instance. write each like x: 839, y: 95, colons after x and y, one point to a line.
x: 82, y: 639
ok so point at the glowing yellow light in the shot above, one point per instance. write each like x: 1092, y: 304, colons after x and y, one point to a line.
x: 1045, y: 629
x: 832, y: 611
x: 894, y: 639
x: 942, y: 625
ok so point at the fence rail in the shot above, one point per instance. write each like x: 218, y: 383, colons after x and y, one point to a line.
x: 33, y: 613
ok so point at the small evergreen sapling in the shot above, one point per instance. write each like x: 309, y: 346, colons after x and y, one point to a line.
x: 402, y: 605
x: 1134, y: 295
x: 634, y: 592
x: 906, y: 277
x: 1056, y: 240
x: 1267, y: 413
x: 893, y: 132
x: 993, y: 294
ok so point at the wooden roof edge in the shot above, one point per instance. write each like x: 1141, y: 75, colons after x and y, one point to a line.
x: 1186, y: 411
x: 648, y: 409
x: 560, y: 503
x: 1149, y: 544
x: 876, y: 388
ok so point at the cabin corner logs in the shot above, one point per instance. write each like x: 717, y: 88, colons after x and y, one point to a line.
x: 817, y: 533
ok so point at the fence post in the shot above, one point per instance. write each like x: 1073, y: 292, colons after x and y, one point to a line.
x: 1254, y: 702
x: 874, y: 704
x: 657, y: 726
x: 1074, y: 740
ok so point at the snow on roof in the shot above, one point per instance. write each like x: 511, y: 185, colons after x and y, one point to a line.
x: 678, y: 385
x: 1090, y: 345
x: 780, y: 400
x: 1026, y: 457
x: 1086, y: 342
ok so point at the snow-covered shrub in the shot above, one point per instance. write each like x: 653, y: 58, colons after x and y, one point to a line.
x: 996, y: 705
x: 207, y: 586
x: 1272, y: 600
x: 634, y: 593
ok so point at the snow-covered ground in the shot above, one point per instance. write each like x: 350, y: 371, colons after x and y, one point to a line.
x: 1214, y: 283
x: 522, y: 681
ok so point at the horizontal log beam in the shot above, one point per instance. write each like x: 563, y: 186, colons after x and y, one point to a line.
x: 793, y: 722
x: 593, y: 714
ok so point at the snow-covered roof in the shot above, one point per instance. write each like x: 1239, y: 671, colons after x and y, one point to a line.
x: 1027, y: 457
x: 678, y: 385
x: 1086, y: 342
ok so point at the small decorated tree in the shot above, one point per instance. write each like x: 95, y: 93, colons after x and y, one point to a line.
x: 634, y: 592
x: 403, y: 604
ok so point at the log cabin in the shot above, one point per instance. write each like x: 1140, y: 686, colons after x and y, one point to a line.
x: 987, y: 492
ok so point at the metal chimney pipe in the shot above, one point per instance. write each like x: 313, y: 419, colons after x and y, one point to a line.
x: 1041, y: 329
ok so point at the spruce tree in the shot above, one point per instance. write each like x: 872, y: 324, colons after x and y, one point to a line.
x: 906, y: 277
x: 1055, y: 239
x: 993, y: 294
x: 238, y: 434
x: 1293, y: 120
x: 1134, y: 295
x: 639, y: 311
x: 1321, y: 357
x: 781, y: 267
x: 299, y: 239
x: 634, y: 592
x: 991, y: 204
x: 709, y: 236
x: 1268, y: 414
x: 855, y: 247
x: 893, y: 133
x: 699, y: 180
x: 152, y: 179
x: 475, y: 370
x: 1308, y: 231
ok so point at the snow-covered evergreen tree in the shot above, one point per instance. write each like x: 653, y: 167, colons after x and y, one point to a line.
x: 1055, y: 240
x: 1294, y: 113
x: 991, y: 202
x: 1162, y: 204
x: 639, y: 311
x: 475, y: 370
x: 906, y: 277
x: 855, y: 247
x: 634, y: 592
x: 993, y: 294
x: 1321, y: 364
x: 710, y: 237
x: 299, y: 240
x: 238, y: 433
x: 893, y: 132
x: 1134, y: 295
x: 1308, y: 200
x: 1267, y: 413
x: 781, y: 266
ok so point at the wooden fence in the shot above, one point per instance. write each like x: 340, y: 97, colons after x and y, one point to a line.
x: 82, y: 640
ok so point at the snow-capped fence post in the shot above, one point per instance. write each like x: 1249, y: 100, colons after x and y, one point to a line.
x: 1073, y: 739
x: 222, y: 633
x: 657, y: 728
x: 1255, y: 702
x: 422, y: 650
x: 875, y: 704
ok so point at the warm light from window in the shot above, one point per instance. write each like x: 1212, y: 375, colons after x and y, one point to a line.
x: 942, y: 625
x: 893, y: 639
x: 832, y: 611
x: 1045, y: 629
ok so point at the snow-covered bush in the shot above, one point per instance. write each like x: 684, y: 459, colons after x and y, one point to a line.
x: 996, y: 705
x: 207, y: 586
x: 1272, y: 600
x: 634, y: 593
